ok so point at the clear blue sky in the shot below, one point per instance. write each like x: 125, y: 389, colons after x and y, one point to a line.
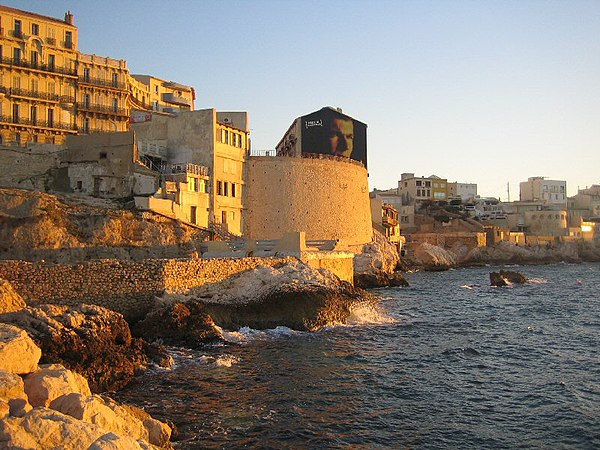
x: 487, y: 92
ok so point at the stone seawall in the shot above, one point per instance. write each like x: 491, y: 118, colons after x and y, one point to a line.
x: 128, y: 287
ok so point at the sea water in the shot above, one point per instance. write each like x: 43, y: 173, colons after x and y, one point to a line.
x: 448, y: 362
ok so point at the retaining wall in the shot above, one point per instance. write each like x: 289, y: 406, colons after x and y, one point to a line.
x: 128, y: 287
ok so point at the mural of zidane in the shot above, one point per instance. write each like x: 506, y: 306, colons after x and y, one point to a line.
x: 340, y: 136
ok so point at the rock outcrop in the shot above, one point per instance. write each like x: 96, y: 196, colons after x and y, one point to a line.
x: 18, y: 353
x: 506, y: 278
x: 9, y: 299
x: 292, y: 295
x: 375, y: 266
x: 52, y: 407
x: 431, y: 257
x: 71, y: 228
x: 90, y: 340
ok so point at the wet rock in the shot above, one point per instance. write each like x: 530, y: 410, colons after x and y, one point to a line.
x: 506, y: 277
x: 186, y: 324
x: 9, y: 299
x: 380, y: 279
x: 90, y: 340
x: 18, y: 352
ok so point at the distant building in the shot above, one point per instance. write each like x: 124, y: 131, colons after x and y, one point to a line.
x: 149, y: 93
x: 385, y: 220
x: 467, y: 192
x: 417, y: 189
x: 550, y: 192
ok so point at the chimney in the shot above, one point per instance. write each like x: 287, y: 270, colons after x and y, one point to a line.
x: 69, y: 18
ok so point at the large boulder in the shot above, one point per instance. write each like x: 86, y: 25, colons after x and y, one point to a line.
x: 18, y: 352
x: 431, y: 257
x: 43, y: 428
x: 375, y: 264
x: 53, y: 381
x: 9, y: 299
x: 111, y: 416
x: 379, y: 279
x: 292, y: 295
x: 87, y: 339
x: 12, y: 392
x: 506, y: 278
x: 186, y: 324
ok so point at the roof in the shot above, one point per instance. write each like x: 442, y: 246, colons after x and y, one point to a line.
x: 34, y: 15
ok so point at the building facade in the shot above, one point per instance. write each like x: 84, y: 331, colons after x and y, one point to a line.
x: 417, y: 189
x: 150, y: 93
x: 550, y: 192
x: 467, y: 192
x: 218, y: 141
x: 38, y: 58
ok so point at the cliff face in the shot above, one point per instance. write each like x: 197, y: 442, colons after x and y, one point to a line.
x: 71, y: 228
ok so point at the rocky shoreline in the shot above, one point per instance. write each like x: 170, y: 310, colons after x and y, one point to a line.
x: 79, y: 352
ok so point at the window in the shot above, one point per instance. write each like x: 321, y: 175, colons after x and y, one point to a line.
x: 219, y: 188
x: 428, y: 184
x: 155, y: 105
x: 17, y: 55
x: 115, y: 105
x: 86, y: 74
x: 51, y: 87
x: 418, y: 183
x: 79, y: 185
x: 50, y: 117
x: 34, y: 58
x: 86, y: 100
x: 193, y: 214
x: 34, y: 85
x: 226, y: 189
x: 35, y: 29
x: 51, y: 62
x: 68, y: 39
x: 224, y: 216
x: 33, y: 115
x: 115, y: 79
x: 86, y: 125
x: 18, y: 28
x: 16, y: 83
x: 103, y: 155
x: 15, y: 112
x: 233, y: 188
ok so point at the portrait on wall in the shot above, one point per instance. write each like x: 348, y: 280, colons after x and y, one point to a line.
x: 331, y: 132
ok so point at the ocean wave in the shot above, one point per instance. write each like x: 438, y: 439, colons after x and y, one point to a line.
x: 369, y: 314
x: 247, y: 334
x: 537, y: 280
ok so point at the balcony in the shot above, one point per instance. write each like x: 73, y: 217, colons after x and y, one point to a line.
x: 389, y: 221
x: 17, y: 34
x: 102, y: 82
x: 169, y: 97
x: 68, y: 44
x: 37, y: 123
x: 24, y: 93
x: 37, y: 66
x: 102, y: 109
x: 50, y: 41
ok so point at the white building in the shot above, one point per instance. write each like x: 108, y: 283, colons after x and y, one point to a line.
x: 538, y: 189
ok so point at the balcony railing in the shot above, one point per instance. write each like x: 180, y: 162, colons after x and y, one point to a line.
x: 102, y: 82
x: 37, y: 66
x: 18, y: 92
x: 139, y: 104
x: 103, y: 109
x: 17, y: 34
x: 68, y: 44
x: 37, y: 123
x: 187, y: 168
x: 51, y: 41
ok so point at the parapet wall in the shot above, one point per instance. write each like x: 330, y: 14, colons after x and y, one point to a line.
x: 128, y: 287
x: 327, y: 198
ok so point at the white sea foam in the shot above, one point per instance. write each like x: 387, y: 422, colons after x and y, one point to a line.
x: 537, y: 280
x: 247, y: 334
x: 368, y: 314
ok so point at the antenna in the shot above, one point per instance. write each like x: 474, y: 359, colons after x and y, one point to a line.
x: 508, y: 190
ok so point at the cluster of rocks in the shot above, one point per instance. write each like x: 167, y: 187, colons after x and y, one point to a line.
x: 506, y: 278
x: 377, y: 264
x: 48, y: 406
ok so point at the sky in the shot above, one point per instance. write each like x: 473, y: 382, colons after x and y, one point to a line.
x: 486, y: 92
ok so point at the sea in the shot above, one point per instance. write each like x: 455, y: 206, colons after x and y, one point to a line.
x: 447, y: 363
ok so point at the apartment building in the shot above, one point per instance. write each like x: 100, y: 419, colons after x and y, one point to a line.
x: 467, y: 192
x: 416, y: 189
x: 150, y: 93
x: 38, y: 58
x: 219, y: 141
x: 49, y: 90
x: 102, y: 94
x: 550, y: 192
